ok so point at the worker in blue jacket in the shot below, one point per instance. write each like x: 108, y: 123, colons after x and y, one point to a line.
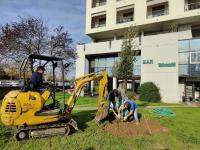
x: 130, y: 109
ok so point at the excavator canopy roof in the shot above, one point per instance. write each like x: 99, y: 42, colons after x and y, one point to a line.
x: 43, y: 57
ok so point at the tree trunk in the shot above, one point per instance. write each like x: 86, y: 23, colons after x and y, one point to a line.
x: 125, y: 85
x: 133, y: 85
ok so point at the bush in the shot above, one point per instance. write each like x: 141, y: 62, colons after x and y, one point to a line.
x: 131, y: 94
x: 149, y: 92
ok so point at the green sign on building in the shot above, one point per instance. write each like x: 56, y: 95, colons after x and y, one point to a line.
x: 172, y: 64
x: 148, y: 61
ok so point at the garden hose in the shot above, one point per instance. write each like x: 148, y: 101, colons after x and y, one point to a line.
x: 165, y: 112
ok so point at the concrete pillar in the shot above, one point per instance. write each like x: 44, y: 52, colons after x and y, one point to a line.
x: 114, y: 83
x: 92, y: 88
x: 115, y: 37
x: 142, y: 33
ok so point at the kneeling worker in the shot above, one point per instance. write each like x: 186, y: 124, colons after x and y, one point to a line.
x: 130, y: 110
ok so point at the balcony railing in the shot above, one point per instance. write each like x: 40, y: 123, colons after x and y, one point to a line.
x: 125, y: 19
x: 192, y: 6
x: 98, y: 25
x: 158, y: 13
x: 97, y: 4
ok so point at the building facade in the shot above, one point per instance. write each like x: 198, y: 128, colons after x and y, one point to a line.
x: 168, y: 44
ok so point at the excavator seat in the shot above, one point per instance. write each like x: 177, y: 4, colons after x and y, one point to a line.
x: 48, y: 112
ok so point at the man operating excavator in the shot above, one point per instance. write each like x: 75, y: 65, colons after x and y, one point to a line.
x: 37, y: 79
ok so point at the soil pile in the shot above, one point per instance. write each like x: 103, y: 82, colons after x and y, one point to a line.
x: 146, y: 127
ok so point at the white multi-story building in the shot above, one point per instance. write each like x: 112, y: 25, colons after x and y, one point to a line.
x: 168, y: 44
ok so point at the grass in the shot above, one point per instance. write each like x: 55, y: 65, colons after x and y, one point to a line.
x: 184, y: 134
x: 87, y: 101
x: 143, y: 103
x: 81, y: 102
x: 92, y: 101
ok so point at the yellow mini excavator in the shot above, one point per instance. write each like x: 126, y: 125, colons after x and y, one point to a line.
x: 27, y: 110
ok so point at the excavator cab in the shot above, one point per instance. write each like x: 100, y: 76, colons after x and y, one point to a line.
x: 48, y: 89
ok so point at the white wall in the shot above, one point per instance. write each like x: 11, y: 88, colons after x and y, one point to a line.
x: 80, y: 62
x: 161, y: 49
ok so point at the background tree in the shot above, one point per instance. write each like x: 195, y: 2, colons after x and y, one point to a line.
x: 61, y: 45
x: 32, y: 36
x: 123, y: 69
x: 12, y: 72
x: 3, y: 74
x: 22, y: 38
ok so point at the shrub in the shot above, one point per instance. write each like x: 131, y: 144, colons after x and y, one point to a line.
x: 149, y: 92
x: 131, y: 94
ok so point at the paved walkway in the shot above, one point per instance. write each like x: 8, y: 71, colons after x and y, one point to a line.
x: 148, y: 107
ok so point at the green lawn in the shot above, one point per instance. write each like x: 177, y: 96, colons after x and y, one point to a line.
x: 184, y: 134
x: 81, y: 102
x: 87, y: 101
x: 92, y: 101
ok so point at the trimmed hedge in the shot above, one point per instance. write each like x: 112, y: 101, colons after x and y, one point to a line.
x: 149, y: 92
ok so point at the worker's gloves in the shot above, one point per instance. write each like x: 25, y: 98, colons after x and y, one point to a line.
x: 125, y: 118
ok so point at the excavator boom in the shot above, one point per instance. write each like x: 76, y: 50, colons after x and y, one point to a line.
x: 80, y: 83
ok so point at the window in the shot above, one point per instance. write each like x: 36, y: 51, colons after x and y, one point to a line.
x: 125, y: 14
x: 156, y: 11
x: 195, y: 57
x: 97, y: 3
x: 196, y: 33
x: 137, y: 70
x: 195, y: 70
x: 189, y: 57
x: 184, y: 46
x: 102, y: 21
x: 195, y: 45
x: 110, y: 62
x: 183, y: 70
x: 98, y: 64
x: 101, y: 62
x: 184, y: 58
x: 192, y: 5
x: 98, y: 20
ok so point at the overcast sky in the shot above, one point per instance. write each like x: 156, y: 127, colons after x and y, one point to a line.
x: 68, y: 13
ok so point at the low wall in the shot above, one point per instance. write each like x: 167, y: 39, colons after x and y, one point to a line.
x: 5, y: 90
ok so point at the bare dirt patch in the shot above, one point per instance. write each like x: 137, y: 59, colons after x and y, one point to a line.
x: 146, y: 127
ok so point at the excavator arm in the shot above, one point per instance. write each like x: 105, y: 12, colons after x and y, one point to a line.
x: 80, y: 83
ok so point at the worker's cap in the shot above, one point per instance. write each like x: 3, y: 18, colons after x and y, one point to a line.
x: 41, y: 68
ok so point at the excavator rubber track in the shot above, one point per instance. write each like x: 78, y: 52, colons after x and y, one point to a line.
x: 45, y: 130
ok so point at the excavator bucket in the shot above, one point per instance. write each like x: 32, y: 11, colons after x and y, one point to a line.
x: 102, y: 112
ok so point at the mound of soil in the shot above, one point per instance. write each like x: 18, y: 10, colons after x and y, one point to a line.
x: 146, y: 127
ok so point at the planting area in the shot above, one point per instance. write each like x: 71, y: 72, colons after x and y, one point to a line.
x: 147, y: 126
